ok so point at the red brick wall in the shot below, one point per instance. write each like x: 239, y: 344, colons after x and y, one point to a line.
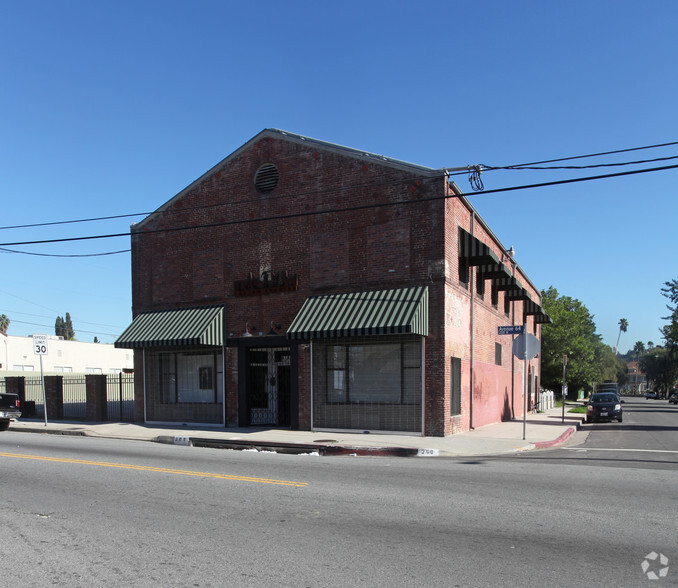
x: 398, y: 235
x: 497, y: 390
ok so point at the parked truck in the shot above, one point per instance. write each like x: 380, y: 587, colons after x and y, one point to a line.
x: 9, y: 409
x: 608, y: 386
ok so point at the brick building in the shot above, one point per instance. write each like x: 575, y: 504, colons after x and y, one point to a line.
x: 304, y: 284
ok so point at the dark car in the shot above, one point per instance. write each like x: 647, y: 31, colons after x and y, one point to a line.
x: 604, y: 406
x: 673, y: 399
x: 650, y: 395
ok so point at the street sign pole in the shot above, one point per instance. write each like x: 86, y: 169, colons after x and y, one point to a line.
x: 44, y: 394
x: 525, y: 383
x: 564, y: 385
x: 40, y: 348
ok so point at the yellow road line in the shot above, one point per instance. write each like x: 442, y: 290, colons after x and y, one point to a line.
x: 154, y: 469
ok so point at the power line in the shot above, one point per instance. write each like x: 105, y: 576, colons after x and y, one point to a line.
x: 474, y: 179
x: 589, y: 155
x: 5, y: 311
x: 79, y: 220
x: 76, y: 330
x: 345, y: 209
x: 342, y: 188
x: 57, y: 255
x: 595, y: 165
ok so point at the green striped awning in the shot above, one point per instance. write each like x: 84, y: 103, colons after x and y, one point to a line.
x: 543, y: 318
x: 177, y: 327
x: 382, y: 312
x: 473, y: 251
x: 532, y: 308
x: 518, y: 294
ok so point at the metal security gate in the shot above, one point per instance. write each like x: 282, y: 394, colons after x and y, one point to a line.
x: 74, y: 397
x: 120, y: 397
x: 269, y: 386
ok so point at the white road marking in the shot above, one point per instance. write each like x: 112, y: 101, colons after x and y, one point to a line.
x: 621, y: 450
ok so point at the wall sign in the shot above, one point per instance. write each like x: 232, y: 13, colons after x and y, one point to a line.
x: 269, y: 283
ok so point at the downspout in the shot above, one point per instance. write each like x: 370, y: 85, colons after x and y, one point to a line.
x: 310, y: 351
x: 513, y: 357
x: 224, y: 350
x: 143, y: 375
x: 471, y: 285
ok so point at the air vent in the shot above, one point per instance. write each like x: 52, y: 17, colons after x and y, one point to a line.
x: 266, y: 178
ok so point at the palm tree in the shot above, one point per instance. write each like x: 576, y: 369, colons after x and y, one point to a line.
x: 4, y: 323
x: 623, y: 325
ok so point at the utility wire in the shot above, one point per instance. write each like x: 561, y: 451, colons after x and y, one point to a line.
x: 594, y: 165
x: 589, y: 155
x: 474, y: 179
x: 337, y: 210
x: 57, y: 255
x: 76, y: 330
x: 7, y: 311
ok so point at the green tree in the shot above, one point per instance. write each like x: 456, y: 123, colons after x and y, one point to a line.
x: 623, y: 326
x: 64, y: 328
x: 638, y: 349
x: 59, y: 327
x: 660, y: 364
x: 4, y: 323
x: 70, y: 333
x: 661, y: 368
x: 606, y: 362
x: 573, y: 333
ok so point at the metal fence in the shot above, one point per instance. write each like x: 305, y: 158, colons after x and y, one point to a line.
x: 75, y: 397
x: 33, y: 393
x: 119, y: 397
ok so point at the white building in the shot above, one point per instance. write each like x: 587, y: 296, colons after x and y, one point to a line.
x: 17, y: 355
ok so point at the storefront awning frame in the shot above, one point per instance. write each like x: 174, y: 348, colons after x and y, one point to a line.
x: 182, y: 327
x: 353, y: 314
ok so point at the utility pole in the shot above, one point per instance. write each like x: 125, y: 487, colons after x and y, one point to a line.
x: 564, y: 385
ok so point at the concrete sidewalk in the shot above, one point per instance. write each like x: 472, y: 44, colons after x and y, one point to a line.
x: 542, y: 430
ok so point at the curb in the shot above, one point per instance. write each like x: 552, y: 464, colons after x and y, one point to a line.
x: 49, y: 432
x: 560, y: 440
x: 295, y: 448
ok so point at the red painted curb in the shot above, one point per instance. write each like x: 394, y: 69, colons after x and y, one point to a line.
x: 564, y: 437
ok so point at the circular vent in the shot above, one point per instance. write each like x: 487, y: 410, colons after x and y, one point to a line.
x: 266, y: 178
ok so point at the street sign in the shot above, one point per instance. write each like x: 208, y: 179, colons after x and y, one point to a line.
x: 40, y: 344
x: 40, y: 348
x: 532, y: 346
x: 511, y: 330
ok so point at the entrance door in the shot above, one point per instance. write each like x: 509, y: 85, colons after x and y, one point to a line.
x: 269, y: 386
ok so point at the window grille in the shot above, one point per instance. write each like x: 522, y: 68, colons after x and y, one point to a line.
x: 368, y: 383
x: 185, y: 385
x: 455, y: 386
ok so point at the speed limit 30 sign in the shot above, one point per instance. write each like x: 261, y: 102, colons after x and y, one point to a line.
x: 40, y: 344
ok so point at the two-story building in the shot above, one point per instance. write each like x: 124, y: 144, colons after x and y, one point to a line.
x: 304, y: 284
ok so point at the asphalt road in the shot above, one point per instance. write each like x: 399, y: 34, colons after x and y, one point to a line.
x: 93, y: 512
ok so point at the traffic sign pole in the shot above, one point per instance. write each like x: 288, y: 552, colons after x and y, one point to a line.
x: 525, y: 383
x: 40, y: 348
x: 44, y: 394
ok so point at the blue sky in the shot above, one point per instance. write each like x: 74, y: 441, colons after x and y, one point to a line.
x: 111, y: 108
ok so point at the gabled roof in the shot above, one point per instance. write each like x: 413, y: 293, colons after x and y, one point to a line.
x: 301, y: 140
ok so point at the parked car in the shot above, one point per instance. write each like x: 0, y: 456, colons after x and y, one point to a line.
x: 673, y: 399
x: 604, y: 406
x: 9, y: 409
x: 650, y: 395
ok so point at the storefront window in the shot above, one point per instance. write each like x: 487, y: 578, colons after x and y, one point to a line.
x: 184, y: 385
x: 376, y: 373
